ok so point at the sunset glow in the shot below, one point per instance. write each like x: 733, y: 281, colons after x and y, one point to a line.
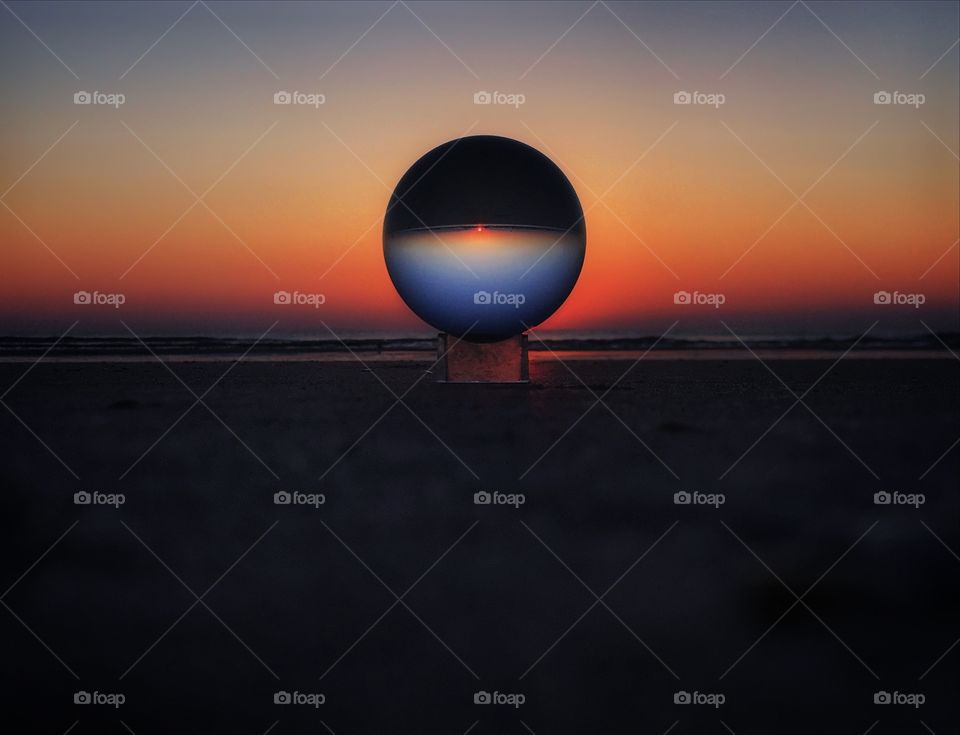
x: 198, y: 197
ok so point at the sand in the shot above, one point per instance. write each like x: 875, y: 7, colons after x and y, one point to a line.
x: 508, y: 607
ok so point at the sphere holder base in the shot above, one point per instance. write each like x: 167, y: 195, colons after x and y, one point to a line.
x: 505, y: 361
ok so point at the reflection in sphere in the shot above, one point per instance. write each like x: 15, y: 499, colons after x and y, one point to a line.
x: 484, y: 237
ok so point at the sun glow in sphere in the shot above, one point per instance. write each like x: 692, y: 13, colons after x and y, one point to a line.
x: 484, y: 237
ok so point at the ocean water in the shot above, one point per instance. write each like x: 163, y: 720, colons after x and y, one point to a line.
x: 398, y: 349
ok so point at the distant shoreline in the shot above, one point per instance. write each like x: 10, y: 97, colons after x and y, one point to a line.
x: 128, y: 349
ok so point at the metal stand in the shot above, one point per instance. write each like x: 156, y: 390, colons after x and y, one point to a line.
x: 486, y: 362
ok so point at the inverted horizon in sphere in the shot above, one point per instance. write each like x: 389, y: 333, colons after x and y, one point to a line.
x: 484, y: 237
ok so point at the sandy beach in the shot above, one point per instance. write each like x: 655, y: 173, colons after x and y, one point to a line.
x: 504, y: 596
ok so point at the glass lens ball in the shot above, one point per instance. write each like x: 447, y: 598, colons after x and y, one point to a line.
x: 484, y: 237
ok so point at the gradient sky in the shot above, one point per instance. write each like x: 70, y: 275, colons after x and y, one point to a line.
x: 694, y: 198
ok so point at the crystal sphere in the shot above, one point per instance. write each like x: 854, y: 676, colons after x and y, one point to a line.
x: 484, y: 237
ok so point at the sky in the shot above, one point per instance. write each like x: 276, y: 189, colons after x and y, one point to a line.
x: 784, y: 188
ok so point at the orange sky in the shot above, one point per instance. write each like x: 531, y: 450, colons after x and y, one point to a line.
x: 693, y: 190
